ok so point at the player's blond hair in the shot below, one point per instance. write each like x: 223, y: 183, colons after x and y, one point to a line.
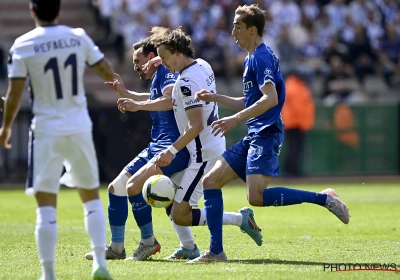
x: 252, y: 15
x: 175, y: 40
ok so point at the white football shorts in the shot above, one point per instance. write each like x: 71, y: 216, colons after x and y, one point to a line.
x: 49, y: 154
x: 190, y: 187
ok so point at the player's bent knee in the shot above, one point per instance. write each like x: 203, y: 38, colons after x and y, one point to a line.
x: 255, y: 200
x: 181, y: 220
x: 118, y: 186
x: 208, y: 182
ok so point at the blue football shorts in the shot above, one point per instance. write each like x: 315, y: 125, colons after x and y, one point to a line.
x: 256, y: 153
x: 149, y: 154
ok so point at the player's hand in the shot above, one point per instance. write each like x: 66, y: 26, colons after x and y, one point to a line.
x: 126, y: 104
x: 164, y: 159
x: 222, y: 126
x: 204, y: 95
x: 117, y: 85
x: 5, y: 135
x: 151, y: 64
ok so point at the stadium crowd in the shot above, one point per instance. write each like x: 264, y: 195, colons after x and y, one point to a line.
x: 337, y: 40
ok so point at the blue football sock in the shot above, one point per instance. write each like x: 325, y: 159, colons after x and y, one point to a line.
x: 280, y: 196
x: 142, y: 214
x: 214, y: 206
x: 117, y: 215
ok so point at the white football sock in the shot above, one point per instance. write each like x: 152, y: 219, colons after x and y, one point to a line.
x: 95, y: 225
x: 228, y: 218
x: 46, y: 238
x: 184, y: 235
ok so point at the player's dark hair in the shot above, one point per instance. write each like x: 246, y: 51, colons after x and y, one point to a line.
x: 252, y: 16
x: 146, y: 45
x: 46, y: 10
x: 175, y: 40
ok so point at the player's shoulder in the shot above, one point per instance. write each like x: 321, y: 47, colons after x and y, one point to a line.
x: 164, y: 73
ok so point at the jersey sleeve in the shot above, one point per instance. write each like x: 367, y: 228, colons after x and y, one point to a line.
x: 168, y: 79
x: 187, y: 89
x: 93, y: 53
x: 263, y: 68
x: 16, y: 65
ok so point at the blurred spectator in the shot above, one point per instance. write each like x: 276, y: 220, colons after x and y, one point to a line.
x: 324, y: 31
x: 288, y: 54
x: 310, y: 9
x: 345, y: 127
x: 348, y: 31
x: 359, y: 9
x: 374, y: 29
x: 298, y: 114
x: 180, y: 14
x: 336, y: 11
x: 341, y: 84
x: 390, y: 56
x: 311, y: 59
x: 214, y: 54
x: 285, y: 12
x: 361, y: 54
x: 389, y: 10
x: 105, y: 10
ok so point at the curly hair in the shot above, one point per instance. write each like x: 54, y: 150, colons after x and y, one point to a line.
x: 252, y: 16
x: 175, y: 40
x: 146, y: 45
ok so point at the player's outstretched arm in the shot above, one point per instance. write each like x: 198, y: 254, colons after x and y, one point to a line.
x: 11, y: 107
x: 163, y: 103
x: 118, y: 85
x: 268, y: 100
x: 235, y: 103
x: 104, y: 70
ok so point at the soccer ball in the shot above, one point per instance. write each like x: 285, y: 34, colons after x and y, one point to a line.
x: 158, y: 191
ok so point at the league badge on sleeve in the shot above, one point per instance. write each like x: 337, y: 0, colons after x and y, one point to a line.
x: 186, y: 90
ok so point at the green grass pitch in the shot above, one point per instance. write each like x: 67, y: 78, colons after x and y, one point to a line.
x: 298, y: 240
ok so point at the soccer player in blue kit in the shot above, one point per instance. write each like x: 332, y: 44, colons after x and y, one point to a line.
x: 255, y: 158
x: 163, y: 133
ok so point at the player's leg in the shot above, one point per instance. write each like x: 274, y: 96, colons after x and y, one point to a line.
x: 263, y: 163
x: 82, y: 170
x: 44, y: 165
x: 220, y: 174
x: 187, y: 249
x: 148, y: 245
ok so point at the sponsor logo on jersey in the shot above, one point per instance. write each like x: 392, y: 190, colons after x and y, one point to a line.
x: 170, y: 76
x: 190, y: 102
x: 186, y: 80
x: 247, y: 85
x: 210, y: 79
x: 267, y: 72
x: 186, y: 90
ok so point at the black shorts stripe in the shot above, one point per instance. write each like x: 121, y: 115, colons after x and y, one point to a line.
x: 194, y: 106
x: 194, y: 183
x: 29, y: 178
x: 199, y: 156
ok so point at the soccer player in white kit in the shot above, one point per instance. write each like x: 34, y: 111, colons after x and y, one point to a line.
x: 53, y: 57
x: 194, y: 118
